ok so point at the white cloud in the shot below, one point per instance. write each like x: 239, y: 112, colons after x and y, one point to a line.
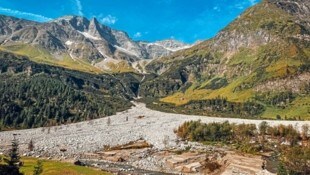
x: 239, y: 6
x: 109, y: 20
x: 22, y: 14
x: 137, y: 35
x: 252, y: 2
x: 79, y: 7
x: 216, y: 8
x: 242, y: 4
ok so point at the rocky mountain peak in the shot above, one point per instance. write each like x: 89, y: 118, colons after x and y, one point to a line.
x: 268, y: 21
x: 94, y: 28
x: 77, y: 22
x: 80, y: 38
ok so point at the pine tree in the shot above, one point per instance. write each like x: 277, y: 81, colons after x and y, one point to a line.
x: 38, y: 169
x: 281, y: 169
x: 13, y: 163
x: 14, y: 159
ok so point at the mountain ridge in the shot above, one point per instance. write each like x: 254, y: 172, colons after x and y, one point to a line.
x: 79, y: 38
x: 261, y: 56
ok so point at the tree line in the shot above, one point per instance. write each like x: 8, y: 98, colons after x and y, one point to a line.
x: 218, y: 106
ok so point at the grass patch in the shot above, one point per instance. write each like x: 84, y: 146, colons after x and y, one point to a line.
x: 193, y: 94
x: 120, y: 67
x: 244, y: 56
x: 298, y: 109
x: 42, y: 56
x: 282, y: 68
x: 57, y: 168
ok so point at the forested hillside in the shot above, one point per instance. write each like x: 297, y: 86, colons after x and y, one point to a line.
x: 34, y: 95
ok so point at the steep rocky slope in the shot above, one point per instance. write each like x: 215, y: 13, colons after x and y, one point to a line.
x: 82, y: 42
x: 261, y: 60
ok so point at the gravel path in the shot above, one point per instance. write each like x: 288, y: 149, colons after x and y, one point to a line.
x: 92, y: 135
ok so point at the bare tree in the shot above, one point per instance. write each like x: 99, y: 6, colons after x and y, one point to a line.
x: 109, y: 121
x: 305, y: 131
x: 30, y: 145
x: 263, y: 127
x: 166, y: 141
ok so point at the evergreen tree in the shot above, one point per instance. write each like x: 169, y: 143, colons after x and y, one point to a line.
x: 38, y: 169
x: 13, y: 163
x: 14, y: 159
x: 281, y: 169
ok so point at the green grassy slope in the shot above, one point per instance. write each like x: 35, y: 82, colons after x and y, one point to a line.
x: 41, y: 55
x: 267, y: 53
x: 52, y: 167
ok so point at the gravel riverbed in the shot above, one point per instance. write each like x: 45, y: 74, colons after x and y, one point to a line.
x: 90, y: 136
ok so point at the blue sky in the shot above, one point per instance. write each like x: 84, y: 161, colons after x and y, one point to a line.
x: 150, y: 20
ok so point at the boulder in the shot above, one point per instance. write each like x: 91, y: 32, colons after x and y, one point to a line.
x: 79, y: 163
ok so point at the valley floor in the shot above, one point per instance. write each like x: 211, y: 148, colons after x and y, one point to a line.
x: 73, y: 140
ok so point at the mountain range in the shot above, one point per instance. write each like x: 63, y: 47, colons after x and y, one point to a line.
x: 86, y: 42
x: 256, y: 67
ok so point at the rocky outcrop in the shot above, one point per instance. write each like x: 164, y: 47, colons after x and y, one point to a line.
x: 295, y: 84
x: 299, y: 8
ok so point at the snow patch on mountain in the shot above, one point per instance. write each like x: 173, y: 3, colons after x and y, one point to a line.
x: 105, y: 56
x: 170, y: 48
x: 69, y: 43
x: 88, y: 35
x: 126, y: 51
x: 172, y: 45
